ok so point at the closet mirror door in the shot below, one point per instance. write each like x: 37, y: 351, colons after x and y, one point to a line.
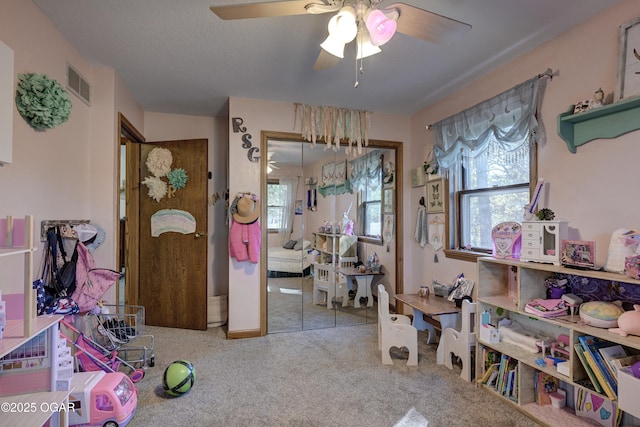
x: 336, y: 211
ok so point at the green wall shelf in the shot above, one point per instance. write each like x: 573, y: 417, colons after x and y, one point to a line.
x: 336, y: 189
x: 609, y: 121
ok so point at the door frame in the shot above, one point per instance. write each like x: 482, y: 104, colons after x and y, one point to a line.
x: 294, y: 137
x: 128, y: 132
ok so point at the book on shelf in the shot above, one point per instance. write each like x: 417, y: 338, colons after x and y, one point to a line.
x: 490, y: 370
x: 504, y: 360
x: 544, y: 385
x: 610, y: 353
x: 591, y: 346
x: 492, y: 378
x: 595, y: 384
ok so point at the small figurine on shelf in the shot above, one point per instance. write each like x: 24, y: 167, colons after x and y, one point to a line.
x: 598, y: 99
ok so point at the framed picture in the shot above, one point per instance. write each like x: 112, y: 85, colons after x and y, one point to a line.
x: 298, y: 207
x: 435, y: 196
x: 579, y: 253
x: 388, y: 201
x: 628, y: 77
x: 417, y: 177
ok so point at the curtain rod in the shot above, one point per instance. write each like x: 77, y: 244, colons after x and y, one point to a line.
x: 547, y: 73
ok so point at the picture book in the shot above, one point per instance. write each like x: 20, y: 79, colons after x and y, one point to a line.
x: 604, y: 411
x: 544, y: 385
x: 610, y: 353
x: 591, y: 345
x: 606, y: 387
x: 592, y: 376
x: 492, y: 368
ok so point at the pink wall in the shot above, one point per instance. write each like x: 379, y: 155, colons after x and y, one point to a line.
x: 244, y: 278
x: 593, y: 189
x: 68, y: 172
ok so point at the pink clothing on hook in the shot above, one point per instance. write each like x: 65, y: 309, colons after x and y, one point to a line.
x: 245, y: 241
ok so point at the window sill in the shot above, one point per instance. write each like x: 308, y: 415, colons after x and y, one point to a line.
x: 463, y: 255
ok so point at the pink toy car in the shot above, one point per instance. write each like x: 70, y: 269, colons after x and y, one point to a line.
x: 104, y: 399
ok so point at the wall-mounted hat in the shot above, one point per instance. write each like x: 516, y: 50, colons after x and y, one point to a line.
x: 247, y: 210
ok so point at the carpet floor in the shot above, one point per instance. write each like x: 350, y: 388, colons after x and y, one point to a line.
x: 323, y: 377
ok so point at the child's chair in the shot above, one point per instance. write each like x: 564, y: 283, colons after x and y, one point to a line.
x: 325, y: 281
x: 395, y: 330
x: 460, y: 342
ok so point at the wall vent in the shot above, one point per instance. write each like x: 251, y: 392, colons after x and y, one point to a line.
x: 78, y: 85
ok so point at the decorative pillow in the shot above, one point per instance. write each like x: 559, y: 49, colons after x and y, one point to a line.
x: 290, y: 244
x: 600, y: 314
x: 302, y: 244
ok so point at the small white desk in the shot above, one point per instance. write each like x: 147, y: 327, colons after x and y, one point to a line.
x: 363, y: 281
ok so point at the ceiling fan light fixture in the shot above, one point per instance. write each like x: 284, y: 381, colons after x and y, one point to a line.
x: 334, y: 46
x: 381, y: 27
x: 365, y: 47
x: 343, y: 25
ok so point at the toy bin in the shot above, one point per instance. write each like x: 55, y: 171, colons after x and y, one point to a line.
x: 628, y: 392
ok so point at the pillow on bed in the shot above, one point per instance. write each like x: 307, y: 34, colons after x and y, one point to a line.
x: 302, y: 244
x: 290, y: 244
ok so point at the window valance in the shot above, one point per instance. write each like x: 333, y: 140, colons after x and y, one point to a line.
x: 334, y: 124
x: 365, y: 168
x: 504, y: 124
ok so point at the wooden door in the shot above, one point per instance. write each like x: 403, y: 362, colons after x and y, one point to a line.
x: 173, y: 265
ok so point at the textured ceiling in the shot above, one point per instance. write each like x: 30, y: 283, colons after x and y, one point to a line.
x: 178, y: 57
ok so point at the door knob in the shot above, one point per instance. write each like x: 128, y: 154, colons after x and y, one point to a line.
x: 198, y: 234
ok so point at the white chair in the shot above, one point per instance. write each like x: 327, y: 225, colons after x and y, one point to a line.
x: 460, y: 343
x: 395, y: 330
x: 325, y: 284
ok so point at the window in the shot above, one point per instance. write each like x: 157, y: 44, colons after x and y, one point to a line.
x: 371, y: 206
x: 366, y: 179
x: 276, y: 202
x: 490, y: 192
x: 488, y: 153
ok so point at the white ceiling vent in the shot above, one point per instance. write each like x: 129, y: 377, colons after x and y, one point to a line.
x: 78, y: 85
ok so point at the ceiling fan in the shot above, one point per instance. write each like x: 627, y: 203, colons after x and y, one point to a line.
x: 369, y: 22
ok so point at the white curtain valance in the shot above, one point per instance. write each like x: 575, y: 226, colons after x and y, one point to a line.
x: 505, y: 124
x: 365, y: 168
x: 334, y: 124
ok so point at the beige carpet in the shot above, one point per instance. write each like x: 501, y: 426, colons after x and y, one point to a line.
x: 324, y: 377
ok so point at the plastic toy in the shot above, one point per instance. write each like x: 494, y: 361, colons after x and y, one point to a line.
x: 629, y: 322
x: 102, y: 399
x: 178, y: 378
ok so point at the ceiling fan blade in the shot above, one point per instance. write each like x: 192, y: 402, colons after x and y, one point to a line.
x: 325, y: 60
x: 426, y: 25
x: 263, y: 10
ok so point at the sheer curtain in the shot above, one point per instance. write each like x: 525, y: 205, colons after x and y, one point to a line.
x: 290, y: 184
x: 503, y: 125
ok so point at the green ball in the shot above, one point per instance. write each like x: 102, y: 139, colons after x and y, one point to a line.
x: 178, y: 378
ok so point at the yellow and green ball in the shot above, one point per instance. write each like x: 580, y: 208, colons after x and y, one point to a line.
x: 178, y: 378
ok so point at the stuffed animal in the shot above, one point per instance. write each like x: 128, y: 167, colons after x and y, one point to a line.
x: 629, y: 322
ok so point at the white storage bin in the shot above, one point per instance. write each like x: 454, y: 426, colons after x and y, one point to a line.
x: 628, y: 392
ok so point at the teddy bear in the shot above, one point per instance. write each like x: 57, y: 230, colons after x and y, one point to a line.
x: 628, y: 322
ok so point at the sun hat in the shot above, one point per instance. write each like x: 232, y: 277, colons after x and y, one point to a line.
x: 86, y: 232
x: 247, y: 209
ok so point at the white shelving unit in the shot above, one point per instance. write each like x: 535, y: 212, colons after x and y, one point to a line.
x: 19, y: 332
x: 332, y: 247
x: 503, y: 288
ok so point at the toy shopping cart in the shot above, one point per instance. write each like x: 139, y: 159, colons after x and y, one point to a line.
x: 91, y: 356
x: 121, y: 327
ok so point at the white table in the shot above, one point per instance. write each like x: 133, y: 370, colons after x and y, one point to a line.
x: 363, y: 281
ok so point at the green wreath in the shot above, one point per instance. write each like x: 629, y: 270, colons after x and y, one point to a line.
x: 41, y: 101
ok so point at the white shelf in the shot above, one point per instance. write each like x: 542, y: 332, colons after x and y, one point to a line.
x: 14, y: 332
x: 504, y: 287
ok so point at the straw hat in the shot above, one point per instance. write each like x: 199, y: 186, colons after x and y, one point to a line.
x: 248, y: 210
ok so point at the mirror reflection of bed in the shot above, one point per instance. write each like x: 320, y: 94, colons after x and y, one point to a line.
x: 306, y: 189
